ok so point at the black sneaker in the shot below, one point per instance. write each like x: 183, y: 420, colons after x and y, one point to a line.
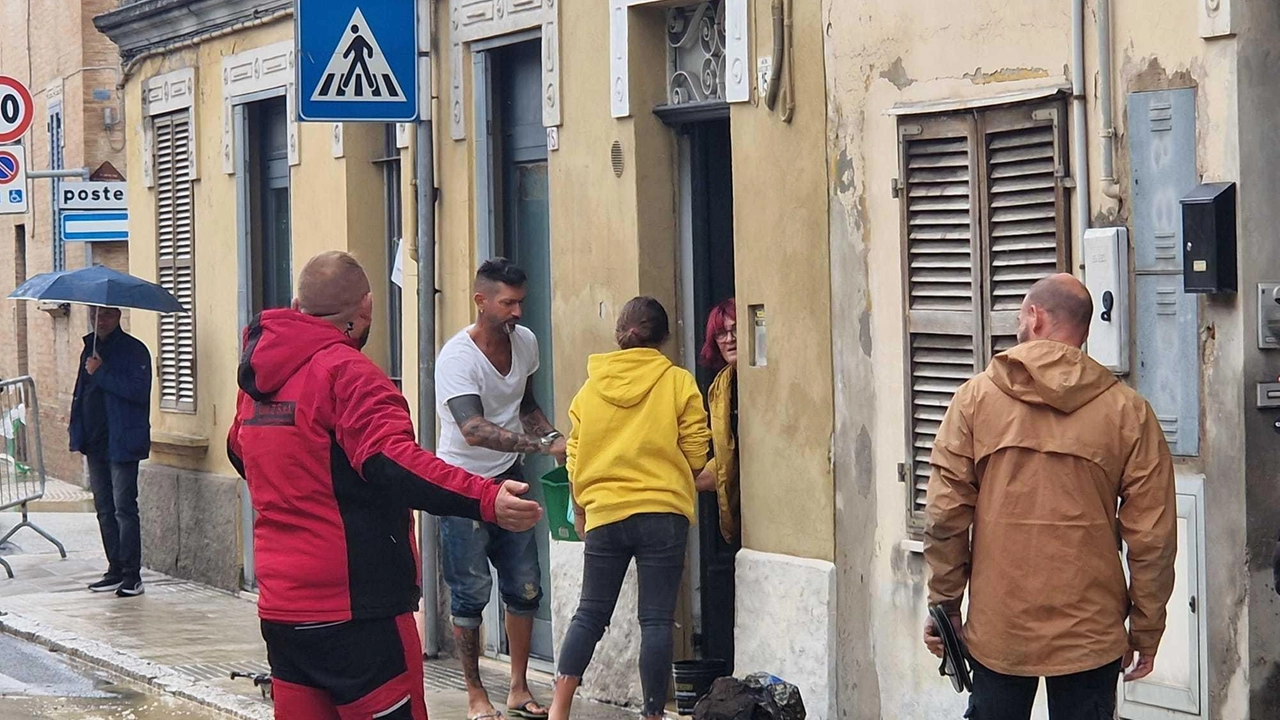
x: 109, y: 582
x: 131, y: 587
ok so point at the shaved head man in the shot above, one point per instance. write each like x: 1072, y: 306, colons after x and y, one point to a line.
x: 334, y: 286
x: 1056, y: 308
x: 325, y: 442
x: 1068, y: 459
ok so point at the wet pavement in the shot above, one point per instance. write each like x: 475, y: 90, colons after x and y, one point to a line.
x: 180, y: 636
x: 36, y: 684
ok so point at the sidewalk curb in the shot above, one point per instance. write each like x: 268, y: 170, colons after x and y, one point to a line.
x: 142, y: 671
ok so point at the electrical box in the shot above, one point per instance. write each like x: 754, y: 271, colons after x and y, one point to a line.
x: 1166, y: 366
x: 1269, y: 315
x: 1106, y: 275
x: 1209, y: 238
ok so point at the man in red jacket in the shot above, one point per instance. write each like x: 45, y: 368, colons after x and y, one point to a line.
x: 326, y: 444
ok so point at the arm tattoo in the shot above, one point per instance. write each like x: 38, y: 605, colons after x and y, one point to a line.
x: 535, y: 421
x: 468, y: 412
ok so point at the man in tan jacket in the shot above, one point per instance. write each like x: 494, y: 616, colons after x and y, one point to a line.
x: 1050, y: 462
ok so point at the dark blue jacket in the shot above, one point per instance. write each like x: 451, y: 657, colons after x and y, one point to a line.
x: 125, y: 379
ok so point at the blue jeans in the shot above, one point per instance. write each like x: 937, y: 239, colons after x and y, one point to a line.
x: 657, y: 543
x: 115, y: 497
x: 468, y: 548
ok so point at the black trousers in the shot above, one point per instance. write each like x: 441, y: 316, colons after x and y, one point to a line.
x: 1090, y: 695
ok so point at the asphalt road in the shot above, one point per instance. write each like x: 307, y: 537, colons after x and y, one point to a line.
x: 36, y: 684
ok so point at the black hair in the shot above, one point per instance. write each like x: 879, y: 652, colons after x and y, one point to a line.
x: 642, y: 323
x: 500, y: 270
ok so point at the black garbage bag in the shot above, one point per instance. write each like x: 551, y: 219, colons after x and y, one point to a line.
x: 790, y: 706
x: 758, y: 697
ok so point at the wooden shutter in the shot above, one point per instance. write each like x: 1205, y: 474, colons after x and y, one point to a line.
x: 983, y: 219
x: 939, y: 196
x: 1024, y: 157
x: 175, y: 254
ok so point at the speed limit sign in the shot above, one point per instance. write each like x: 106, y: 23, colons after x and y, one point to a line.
x: 16, y: 109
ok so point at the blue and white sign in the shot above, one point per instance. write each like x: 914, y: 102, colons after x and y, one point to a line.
x: 105, y: 226
x: 13, y: 180
x: 357, y: 60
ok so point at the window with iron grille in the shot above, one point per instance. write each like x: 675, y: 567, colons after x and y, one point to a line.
x: 175, y: 258
x: 983, y: 218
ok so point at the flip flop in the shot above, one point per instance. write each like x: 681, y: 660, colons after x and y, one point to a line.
x: 522, y: 711
x: 495, y: 715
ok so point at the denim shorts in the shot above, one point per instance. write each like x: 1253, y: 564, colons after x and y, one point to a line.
x: 469, y: 546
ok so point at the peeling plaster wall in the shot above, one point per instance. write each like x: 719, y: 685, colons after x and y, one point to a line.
x: 885, y: 54
x: 1259, y: 178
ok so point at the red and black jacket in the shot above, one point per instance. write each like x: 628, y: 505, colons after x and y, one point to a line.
x: 326, y: 444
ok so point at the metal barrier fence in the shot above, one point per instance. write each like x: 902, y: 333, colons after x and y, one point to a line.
x: 22, y: 477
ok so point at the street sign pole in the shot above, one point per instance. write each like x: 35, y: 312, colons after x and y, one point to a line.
x: 64, y: 173
x: 424, y: 172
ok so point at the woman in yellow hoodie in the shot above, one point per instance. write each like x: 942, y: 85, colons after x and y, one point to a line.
x: 639, y: 438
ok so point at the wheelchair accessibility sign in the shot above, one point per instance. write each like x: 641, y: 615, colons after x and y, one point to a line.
x: 357, y: 60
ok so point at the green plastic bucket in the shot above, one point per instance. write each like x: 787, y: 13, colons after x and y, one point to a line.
x: 557, y: 499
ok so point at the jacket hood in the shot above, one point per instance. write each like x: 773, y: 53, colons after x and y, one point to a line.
x: 626, y: 377
x: 1046, y: 372
x: 277, y: 344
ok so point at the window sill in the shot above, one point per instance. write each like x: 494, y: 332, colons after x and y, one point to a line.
x: 180, y: 444
x: 913, y: 545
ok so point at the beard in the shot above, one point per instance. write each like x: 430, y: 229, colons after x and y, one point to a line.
x: 364, y: 339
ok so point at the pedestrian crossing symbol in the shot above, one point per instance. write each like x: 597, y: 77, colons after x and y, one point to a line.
x: 358, y: 71
x: 358, y: 60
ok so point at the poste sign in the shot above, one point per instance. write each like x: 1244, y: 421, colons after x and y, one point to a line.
x: 93, y: 196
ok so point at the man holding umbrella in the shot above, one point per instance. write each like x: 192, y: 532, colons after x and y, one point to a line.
x: 110, y: 410
x: 111, y: 426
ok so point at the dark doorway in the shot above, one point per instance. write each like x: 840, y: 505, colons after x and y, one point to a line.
x: 522, y: 233
x: 708, y: 180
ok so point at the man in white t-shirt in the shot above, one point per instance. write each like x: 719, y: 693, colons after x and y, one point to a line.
x: 489, y: 420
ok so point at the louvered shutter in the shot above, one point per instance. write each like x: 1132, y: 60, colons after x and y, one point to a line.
x: 175, y: 254
x: 1023, y: 211
x: 941, y: 279
x: 983, y: 218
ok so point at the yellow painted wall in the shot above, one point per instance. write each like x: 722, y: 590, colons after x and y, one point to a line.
x: 336, y: 203
x: 615, y: 237
x: 780, y: 236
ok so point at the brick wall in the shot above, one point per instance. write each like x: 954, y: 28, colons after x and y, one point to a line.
x: 64, y: 50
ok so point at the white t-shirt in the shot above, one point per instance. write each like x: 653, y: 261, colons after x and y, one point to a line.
x: 463, y: 369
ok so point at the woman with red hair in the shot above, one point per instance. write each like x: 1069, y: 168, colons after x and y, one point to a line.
x: 720, y: 353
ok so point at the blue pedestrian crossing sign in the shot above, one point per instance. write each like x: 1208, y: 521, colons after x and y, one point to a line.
x: 357, y: 60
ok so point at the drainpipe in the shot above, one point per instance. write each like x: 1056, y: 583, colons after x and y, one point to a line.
x: 1080, y: 134
x: 425, y: 184
x: 1110, y: 187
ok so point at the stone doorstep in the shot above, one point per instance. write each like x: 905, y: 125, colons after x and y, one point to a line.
x: 151, y: 674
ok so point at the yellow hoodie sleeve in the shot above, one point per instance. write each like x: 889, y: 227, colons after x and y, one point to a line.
x: 571, y: 444
x: 695, y: 435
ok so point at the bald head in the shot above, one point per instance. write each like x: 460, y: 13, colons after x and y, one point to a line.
x: 1056, y: 308
x: 332, y: 285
